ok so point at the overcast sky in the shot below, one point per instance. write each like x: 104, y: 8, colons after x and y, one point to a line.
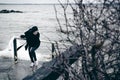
x: 39, y: 1
x: 31, y: 1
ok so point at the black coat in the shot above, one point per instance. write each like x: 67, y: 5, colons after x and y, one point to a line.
x: 32, y: 40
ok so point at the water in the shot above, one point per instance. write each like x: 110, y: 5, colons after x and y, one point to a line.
x: 15, y: 24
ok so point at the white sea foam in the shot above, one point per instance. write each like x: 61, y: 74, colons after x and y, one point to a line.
x: 21, y: 53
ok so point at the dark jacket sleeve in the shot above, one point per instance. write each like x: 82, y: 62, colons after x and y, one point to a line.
x: 27, y: 36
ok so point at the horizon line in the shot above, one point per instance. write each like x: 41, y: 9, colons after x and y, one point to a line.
x: 34, y: 3
x: 41, y: 3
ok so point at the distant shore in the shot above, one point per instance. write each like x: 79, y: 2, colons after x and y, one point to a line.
x: 10, y: 11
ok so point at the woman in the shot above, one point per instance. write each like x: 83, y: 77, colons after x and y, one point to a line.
x: 33, y: 42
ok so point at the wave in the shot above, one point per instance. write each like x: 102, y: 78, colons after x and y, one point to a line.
x: 21, y: 53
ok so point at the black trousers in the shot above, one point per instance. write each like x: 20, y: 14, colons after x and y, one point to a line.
x: 32, y: 53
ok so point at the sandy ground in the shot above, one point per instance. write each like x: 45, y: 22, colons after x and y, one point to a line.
x: 11, y: 71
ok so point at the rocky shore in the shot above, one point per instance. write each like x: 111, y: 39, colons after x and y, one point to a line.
x: 9, y: 11
x: 11, y: 71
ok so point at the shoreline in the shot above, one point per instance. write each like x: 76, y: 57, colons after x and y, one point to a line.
x: 11, y: 71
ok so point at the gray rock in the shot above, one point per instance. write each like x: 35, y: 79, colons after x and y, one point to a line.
x: 10, y: 11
